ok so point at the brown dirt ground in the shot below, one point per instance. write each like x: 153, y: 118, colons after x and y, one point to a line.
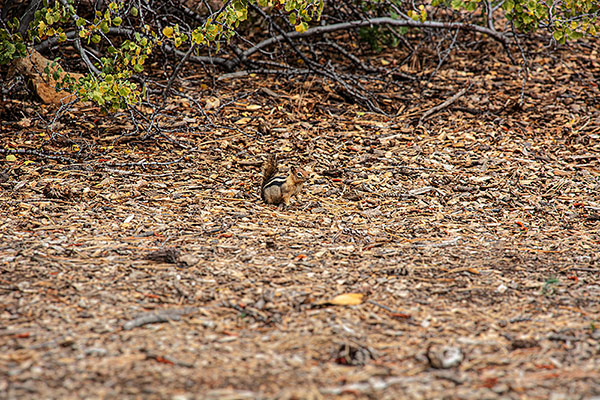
x: 477, y: 230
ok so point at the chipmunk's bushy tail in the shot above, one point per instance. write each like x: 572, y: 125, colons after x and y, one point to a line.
x: 269, y: 171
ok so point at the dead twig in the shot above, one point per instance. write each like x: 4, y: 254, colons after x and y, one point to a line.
x: 524, y: 66
x: 445, y: 104
x: 50, y: 155
x: 158, y: 316
x: 174, y: 74
x: 393, y: 313
x: 166, y: 359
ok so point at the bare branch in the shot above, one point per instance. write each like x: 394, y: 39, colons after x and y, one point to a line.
x: 158, y: 316
x: 490, y: 12
x: 78, y: 45
x: 241, y: 74
x: 524, y: 66
x: 174, y: 74
x: 319, y: 30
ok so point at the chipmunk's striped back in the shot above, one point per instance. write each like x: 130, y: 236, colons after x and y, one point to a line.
x: 269, y: 171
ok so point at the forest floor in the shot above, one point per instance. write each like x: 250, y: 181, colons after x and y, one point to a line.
x: 153, y: 270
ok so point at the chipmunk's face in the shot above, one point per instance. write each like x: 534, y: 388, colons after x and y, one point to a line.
x: 300, y: 174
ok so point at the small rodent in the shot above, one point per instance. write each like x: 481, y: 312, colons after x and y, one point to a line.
x: 279, y: 189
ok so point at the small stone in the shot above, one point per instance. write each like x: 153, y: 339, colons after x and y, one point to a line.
x: 444, y: 357
x: 500, y: 388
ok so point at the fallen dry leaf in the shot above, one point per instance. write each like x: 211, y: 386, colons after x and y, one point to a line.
x: 346, y: 299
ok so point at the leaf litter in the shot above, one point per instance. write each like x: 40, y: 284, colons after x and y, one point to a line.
x: 465, y: 247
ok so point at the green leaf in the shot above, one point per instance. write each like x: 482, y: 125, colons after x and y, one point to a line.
x: 16, y: 23
x: 95, y: 38
x: 292, y: 18
x: 21, y: 49
x: 557, y: 35
x: 117, y: 21
x: 471, y: 6
x: 198, y: 37
x: 134, y: 12
x: 574, y: 35
x: 457, y: 4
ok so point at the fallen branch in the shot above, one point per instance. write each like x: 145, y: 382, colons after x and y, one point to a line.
x: 54, y: 155
x: 445, y: 104
x: 241, y: 74
x: 166, y: 359
x: 158, y: 316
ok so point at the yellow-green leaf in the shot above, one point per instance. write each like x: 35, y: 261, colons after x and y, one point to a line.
x: 11, y: 157
x: 167, y: 31
x: 301, y: 27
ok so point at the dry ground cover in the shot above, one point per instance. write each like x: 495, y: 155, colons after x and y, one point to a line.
x: 148, y: 270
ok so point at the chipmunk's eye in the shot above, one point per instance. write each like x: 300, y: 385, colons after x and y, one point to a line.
x: 300, y: 175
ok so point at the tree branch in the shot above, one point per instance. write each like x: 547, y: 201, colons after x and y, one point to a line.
x: 490, y: 11
x: 524, y: 66
x: 175, y: 72
x: 78, y: 45
x: 319, y: 30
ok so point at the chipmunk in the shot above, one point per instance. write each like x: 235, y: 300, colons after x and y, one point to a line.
x: 279, y: 189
